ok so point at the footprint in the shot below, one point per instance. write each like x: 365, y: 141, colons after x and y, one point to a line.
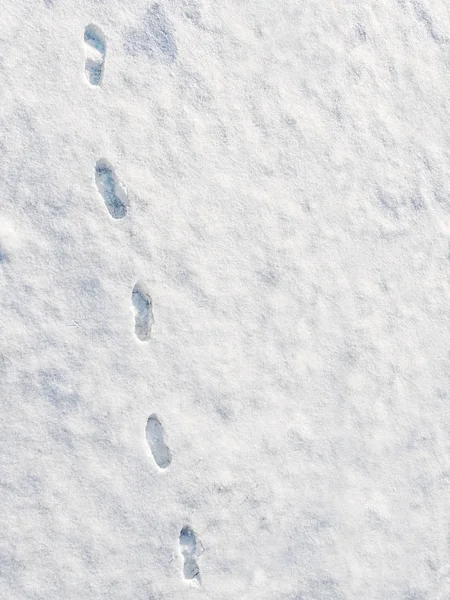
x: 143, y: 313
x: 155, y: 438
x: 113, y: 192
x: 191, y: 548
x: 95, y: 47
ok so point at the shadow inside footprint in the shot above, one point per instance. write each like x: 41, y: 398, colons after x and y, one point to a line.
x: 143, y: 312
x: 191, y: 548
x: 154, y: 433
x: 95, y: 46
x: 112, y: 190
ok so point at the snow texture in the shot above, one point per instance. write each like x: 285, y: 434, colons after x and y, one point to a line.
x: 276, y: 178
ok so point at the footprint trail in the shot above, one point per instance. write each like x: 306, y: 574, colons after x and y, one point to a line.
x: 143, y: 312
x: 113, y: 192
x: 154, y: 432
x: 95, y: 48
x: 191, y: 548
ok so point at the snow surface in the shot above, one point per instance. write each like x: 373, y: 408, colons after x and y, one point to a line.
x: 274, y: 179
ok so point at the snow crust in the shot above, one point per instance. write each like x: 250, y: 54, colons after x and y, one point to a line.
x: 282, y: 174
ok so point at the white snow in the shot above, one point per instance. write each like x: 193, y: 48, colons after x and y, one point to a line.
x: 284, y: 172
